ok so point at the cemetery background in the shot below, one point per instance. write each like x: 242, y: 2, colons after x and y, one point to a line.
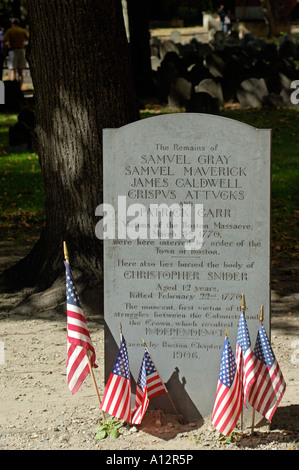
x: 69, y: 422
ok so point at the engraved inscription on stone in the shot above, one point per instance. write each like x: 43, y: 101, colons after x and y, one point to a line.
x: 180, y: 299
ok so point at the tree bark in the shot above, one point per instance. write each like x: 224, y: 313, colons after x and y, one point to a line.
x: 81, y: 71
x: 140, y: 48
x: 269, y: 17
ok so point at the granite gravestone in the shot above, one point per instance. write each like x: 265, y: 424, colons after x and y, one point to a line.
x: 176, y: 290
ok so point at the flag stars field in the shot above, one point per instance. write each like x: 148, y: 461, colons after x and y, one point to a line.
x: 263, y: 350
x: 227, y: 372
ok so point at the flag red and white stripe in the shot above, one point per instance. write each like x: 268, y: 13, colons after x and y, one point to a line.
x: 268, y: 390
x: 245, y: 359
x: 78, y: 338
x: 149, y: 385
x: 228, y: 401
x: 117, y: 395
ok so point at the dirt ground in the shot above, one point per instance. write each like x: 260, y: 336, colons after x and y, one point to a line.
x: 38, y: 412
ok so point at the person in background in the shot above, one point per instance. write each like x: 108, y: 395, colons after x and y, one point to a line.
x: 15, y: 38
x: 228, y: 22
x: 221, y: 13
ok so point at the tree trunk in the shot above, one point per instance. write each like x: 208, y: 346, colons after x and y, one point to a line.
x: 269, y: 18
x: 79, y: 61
x: 140, y: 48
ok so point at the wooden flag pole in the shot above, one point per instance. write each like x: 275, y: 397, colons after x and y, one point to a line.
x: 252, y: 422
x: 169, y: 397
x: 94, y: 382
x: 253, y: 410
x: 66, y: 253
x: 243, y: 308
x: 67, y: 259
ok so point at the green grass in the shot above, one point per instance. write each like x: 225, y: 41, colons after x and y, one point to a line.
x: 22, y: 193
x: 21, y: 189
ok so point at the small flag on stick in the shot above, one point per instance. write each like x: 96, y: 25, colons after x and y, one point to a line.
x: 268, y: 390
x: 245, y: 358
x: 117, y: 395
x: 149, y: 385
x: 80, y: 351
x: 228, y: 402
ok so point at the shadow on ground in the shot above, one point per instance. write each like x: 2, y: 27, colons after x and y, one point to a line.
x: 165, y: 426
x: 284, y: 428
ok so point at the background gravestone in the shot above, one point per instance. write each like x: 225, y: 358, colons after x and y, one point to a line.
x: 181, y: 301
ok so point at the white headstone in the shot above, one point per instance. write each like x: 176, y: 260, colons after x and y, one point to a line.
x: 181, y: 300
x: 252, y: 92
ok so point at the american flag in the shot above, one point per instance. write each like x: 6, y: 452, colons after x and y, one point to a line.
x: 269, y: 388
x: 228, y: 402
x: 245, y: 359
x: 117, y: 395
x: 149, y: 385
x: 78, y: 338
